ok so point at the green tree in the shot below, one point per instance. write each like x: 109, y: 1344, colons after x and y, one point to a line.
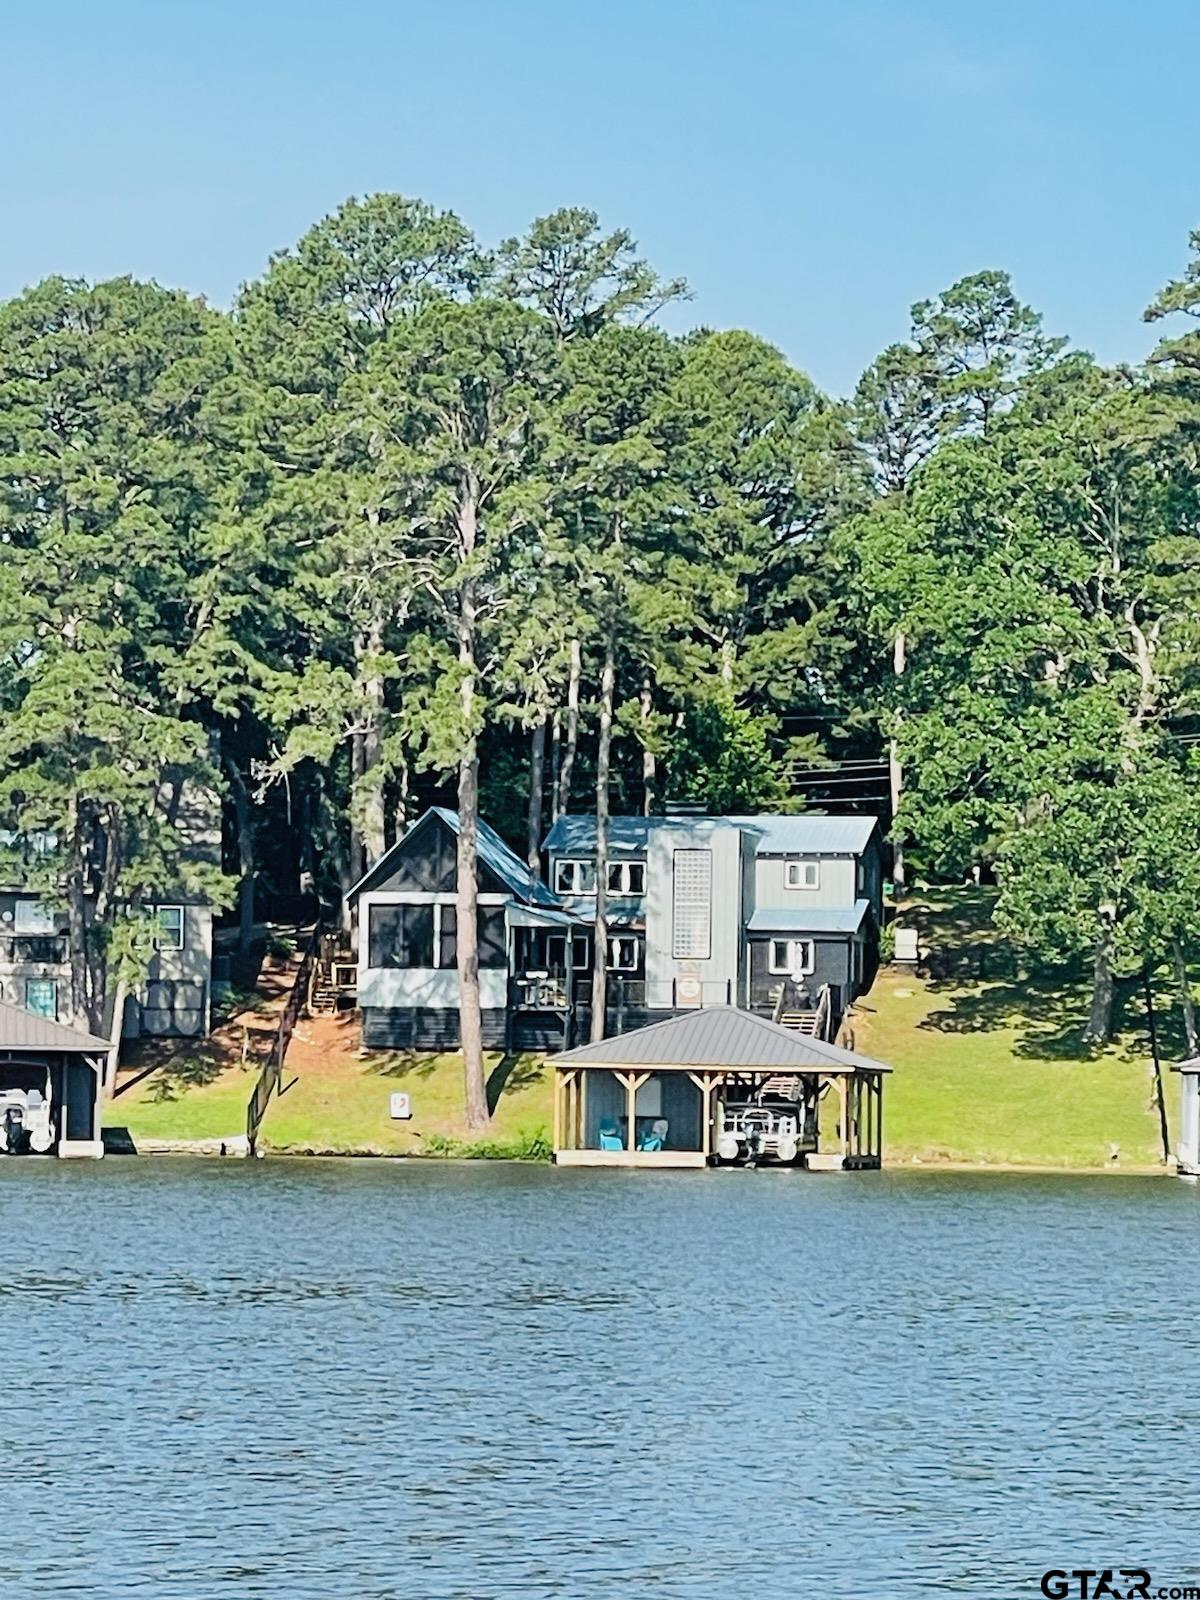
x: 458, y: 394
x: 110, y: 516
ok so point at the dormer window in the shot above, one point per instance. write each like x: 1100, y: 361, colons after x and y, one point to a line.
x: 802, y: 874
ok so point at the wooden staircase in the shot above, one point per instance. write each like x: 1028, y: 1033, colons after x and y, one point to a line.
x: 806, y: 1022
x: 812, y: 1024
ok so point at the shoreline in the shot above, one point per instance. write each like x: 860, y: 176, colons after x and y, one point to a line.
x: 236, y: 1147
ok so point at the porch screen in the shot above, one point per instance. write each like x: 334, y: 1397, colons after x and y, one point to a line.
x: 692, y: 905
x: 493, y: 944
x: 401, y: 936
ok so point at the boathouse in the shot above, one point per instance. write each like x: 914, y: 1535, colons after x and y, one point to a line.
x: 1187, y: 1151
x: 717, y: 1085
x: 50, y: 1078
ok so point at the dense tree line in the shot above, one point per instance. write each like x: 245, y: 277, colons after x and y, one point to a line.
x: 418, y: 518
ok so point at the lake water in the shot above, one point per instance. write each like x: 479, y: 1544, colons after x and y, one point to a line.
x: 363, y: 1380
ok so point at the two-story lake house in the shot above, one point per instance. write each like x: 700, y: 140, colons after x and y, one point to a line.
x: 407, y: 983
x: 175, y: 995
x: 773, y: 914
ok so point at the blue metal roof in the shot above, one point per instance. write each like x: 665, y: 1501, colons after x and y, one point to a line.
x: 494, y: 854
x: 775, y: 835
x: 821, y: 919
x: 579, y: 833
x: 505, y: 863
x: 809, y: 835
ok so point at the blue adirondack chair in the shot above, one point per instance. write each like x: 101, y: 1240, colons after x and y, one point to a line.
x: 610, y: 1137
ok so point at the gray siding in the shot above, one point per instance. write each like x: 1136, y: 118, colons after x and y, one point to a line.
x: 836, y: 889
x: 425, y: 1028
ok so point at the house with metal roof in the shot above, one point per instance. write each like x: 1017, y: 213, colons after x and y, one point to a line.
x: 407, y: 976
x: 776, y: 914
x: 717, y: 1085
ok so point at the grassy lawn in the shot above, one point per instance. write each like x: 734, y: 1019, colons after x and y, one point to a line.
x: 335, y: 1102
x: 989, y: 1063
x: 989, y: 1068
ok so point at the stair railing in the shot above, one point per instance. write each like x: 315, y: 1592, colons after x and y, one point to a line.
x: 271, y: 1075
x: 821, y: 1027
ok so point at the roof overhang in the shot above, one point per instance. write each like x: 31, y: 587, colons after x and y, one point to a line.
x: 520, y: 916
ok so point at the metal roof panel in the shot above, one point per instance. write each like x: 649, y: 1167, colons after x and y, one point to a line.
x: 718, y: 1036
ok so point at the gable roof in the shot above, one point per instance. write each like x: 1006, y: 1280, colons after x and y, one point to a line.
x: 22, y: 1030
x: 494, y: 854
x: 718, y: 1036
x: 774, y: 835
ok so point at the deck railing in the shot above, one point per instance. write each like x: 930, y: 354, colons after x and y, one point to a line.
x: 272, y: 1072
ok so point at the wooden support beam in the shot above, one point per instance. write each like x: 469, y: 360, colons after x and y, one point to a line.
x: 706, y: 1082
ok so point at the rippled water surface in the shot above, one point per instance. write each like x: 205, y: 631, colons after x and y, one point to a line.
x: 358, y: 1380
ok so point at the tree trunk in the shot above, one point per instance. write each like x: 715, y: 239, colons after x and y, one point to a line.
x: 244, y: 820
x: 1099, y: 1027
x: 358, y: 765
x: 896, y: 775
x: 555, y: 762
x: 571, y: 741
x: 367, y: 804
x: 469, y: 1011
x: 537, y: 780
x: 603, y: 753
x: 1185, y: 996
x: 649, y: 765
x: 77, y: 944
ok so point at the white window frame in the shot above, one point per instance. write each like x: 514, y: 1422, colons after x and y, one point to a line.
x: 802, y: 872
x: 791, y: 966
x: 173, y: 942
x: 615, y: 953
x: 32, y: 917
x: 582, y: 867
x: 620, y: 879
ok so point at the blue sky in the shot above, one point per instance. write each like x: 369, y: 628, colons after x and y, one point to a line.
x: 811, y: 168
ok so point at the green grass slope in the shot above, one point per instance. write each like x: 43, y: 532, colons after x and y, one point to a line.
x: 990, y: 1065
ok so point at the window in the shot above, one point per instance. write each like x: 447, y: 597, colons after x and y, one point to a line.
x: 692, y: 905
x: 790, y: 958
x: 575, y: 877
x: 622, y: 954
x: 860, y: 876
x: 41, y: 997
x: 447, y: 951
x: 493, y: 936
x: 802, y: 874
x: 627, y: 877
x: 400, y: 936
x: 169, y: 932
x: 31, y: 916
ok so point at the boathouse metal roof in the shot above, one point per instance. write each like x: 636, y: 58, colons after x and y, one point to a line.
x: 773, y: 835
x: 819, y: 919
x: 22, y: 1030
x: 723, y: 1037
